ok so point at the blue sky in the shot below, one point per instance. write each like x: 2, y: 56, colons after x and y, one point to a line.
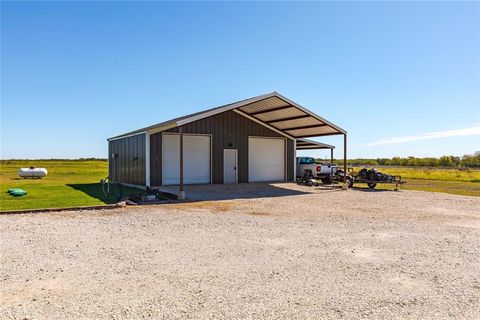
x: 75, y: 73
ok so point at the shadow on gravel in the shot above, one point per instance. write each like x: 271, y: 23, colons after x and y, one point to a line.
x: 236, y: 191
x: 328, y: 187
x: 372, y: 190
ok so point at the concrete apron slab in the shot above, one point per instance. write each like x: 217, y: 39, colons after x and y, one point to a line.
x: 239, y: 191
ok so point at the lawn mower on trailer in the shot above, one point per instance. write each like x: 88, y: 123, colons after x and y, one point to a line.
x: 372, y: 177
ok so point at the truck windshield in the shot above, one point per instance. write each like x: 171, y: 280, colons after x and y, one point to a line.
x: 306, y: 161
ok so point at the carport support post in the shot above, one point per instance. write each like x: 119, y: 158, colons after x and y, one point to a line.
x: 181, y: 193
x: 345, y: 186
x: 331, y: 162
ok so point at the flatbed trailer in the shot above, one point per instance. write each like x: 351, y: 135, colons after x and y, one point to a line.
x: 397, y: 180
x: 352, y: 178
x: 372, y: 183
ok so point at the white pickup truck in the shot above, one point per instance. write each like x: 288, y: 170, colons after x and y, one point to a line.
x: 319, y: 170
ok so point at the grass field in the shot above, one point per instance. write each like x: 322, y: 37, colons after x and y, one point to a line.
x: 456, y: 181
x: 68, y: 184
x: 443, y: 174
x: 76, y: 183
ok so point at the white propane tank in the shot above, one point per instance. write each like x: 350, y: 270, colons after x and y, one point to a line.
x: 32, y: 172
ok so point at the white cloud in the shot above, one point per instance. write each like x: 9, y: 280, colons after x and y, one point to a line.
x: 472, y: 131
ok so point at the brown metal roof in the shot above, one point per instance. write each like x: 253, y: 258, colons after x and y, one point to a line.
x: 306, y: 144
x: 273, y: 110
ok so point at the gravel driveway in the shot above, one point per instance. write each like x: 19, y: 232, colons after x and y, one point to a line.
x: 305, y: 254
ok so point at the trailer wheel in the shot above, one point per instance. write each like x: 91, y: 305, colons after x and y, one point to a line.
x: 372, y: 185
x: 349, y: 182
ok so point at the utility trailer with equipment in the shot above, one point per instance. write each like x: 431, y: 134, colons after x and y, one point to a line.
x: 372, y: 177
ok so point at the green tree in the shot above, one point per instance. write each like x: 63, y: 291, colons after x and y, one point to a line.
x: 471, y: 161
x: 411, y: 161
x: 446, y: 161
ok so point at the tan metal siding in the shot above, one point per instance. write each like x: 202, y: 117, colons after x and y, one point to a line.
x: 296, y: 123
x: 263, y: 105
x: 279, y: 114
x: 311, y: 131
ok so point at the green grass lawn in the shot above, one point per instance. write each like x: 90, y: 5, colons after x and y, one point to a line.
x: 68, y: 184
x: 456, y: 181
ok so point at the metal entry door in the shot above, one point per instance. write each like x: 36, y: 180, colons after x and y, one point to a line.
x: 230, y: 166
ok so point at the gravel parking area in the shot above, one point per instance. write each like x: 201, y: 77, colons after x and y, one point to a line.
x: 294, y: 253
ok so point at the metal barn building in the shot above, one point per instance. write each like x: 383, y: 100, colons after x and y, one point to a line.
x: 252, y: 140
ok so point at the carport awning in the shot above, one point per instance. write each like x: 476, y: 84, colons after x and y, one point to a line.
x: 306, y: 144
x: 287, y: 116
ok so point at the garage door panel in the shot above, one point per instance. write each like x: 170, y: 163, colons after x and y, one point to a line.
x: 196, y: 159
x: 170, y: 159
x: 266, y: 159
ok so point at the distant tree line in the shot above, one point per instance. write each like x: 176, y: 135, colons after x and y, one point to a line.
x: 466, y: 161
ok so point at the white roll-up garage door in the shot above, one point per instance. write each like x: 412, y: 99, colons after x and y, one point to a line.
x: 266, y: 159
x: 196, y: 159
